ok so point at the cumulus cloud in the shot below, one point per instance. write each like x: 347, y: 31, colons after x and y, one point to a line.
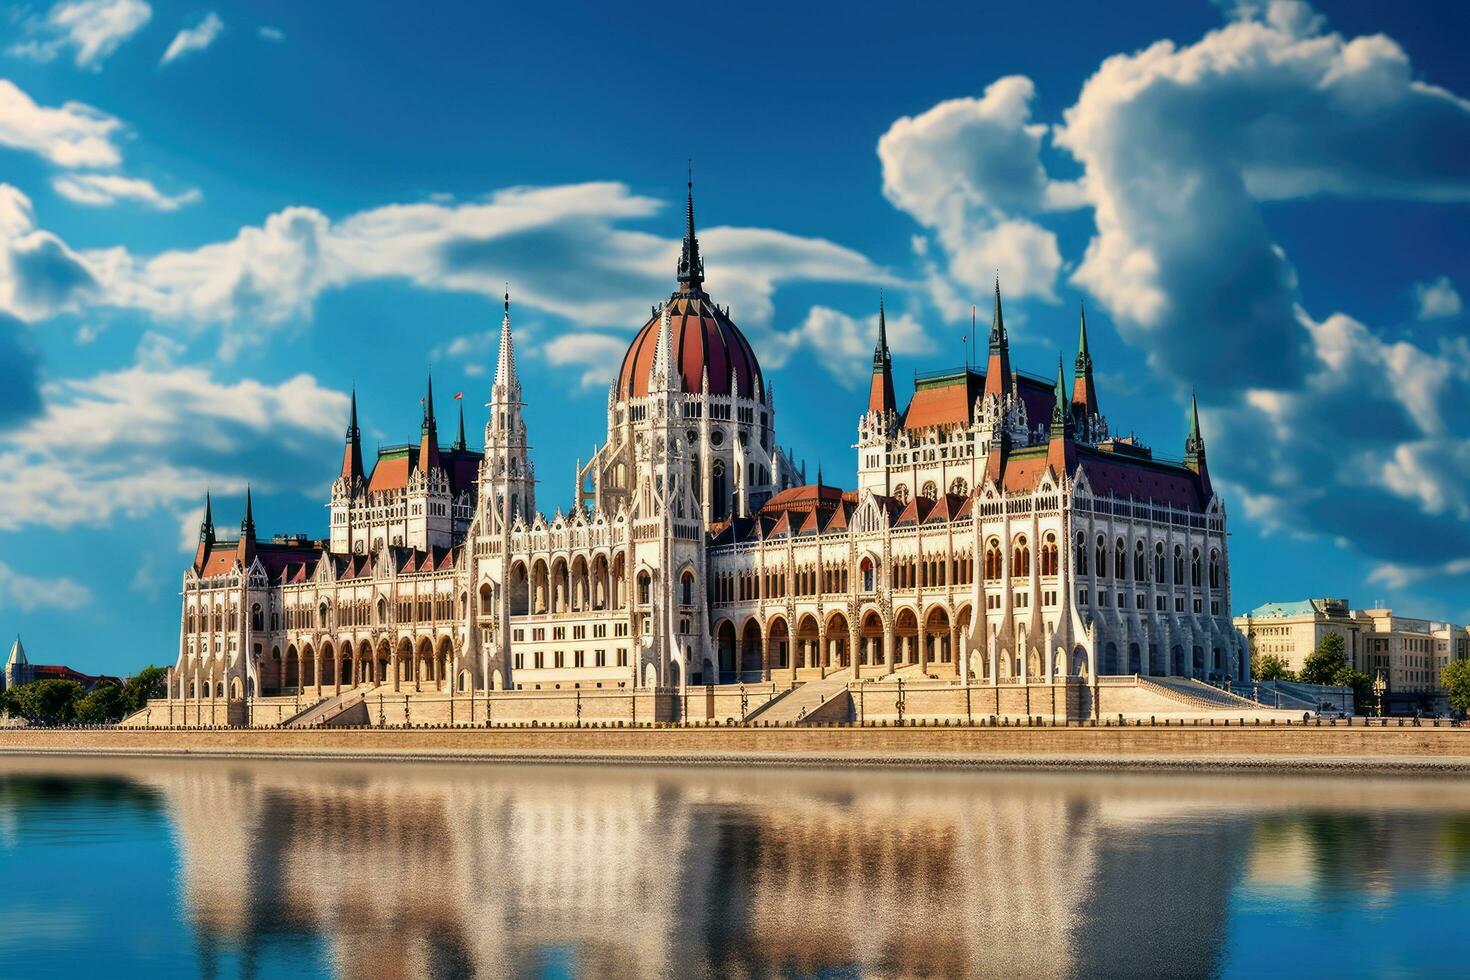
x: 26, y: 592
x: 597, y: 353
x: 967, y: 169
x: 1316, y: 425
x: 101, y: 190
x: 71, y: 135
x: 1436, y: 300
x: 153, y: 436
x: 39, y: 275
x: 843, y: 345
x: 94, y: 29
x: 194, y: 39
x: 20, y: 386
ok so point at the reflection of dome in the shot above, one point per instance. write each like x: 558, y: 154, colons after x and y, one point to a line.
x: 704, y: 339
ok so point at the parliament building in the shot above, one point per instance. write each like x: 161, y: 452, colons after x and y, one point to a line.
x: 1000, y: 534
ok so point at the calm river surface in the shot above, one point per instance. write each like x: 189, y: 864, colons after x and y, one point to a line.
x: 143, y: 868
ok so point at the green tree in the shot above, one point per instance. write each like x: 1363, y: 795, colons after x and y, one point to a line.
x: 104, y: 704
x: 1269, y: 667
x: 1456, y: 680
x: 50, y: 702
x: 7, y: 703
x: 150, y: 682
x: 1327, y: 661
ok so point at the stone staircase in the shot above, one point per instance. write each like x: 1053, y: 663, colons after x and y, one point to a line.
x: 325, y: 710
x: 1197, y: 694
x: 803, y: 703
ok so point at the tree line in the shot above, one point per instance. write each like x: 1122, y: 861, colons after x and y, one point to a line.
x: 63, y: 702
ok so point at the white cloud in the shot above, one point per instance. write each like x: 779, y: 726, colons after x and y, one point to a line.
x: 154, y: 436
x: 538, y: 238
x: 73, y: 135
x: 1436, y: 300
x: 193, y: 39
x: 93, y: 28
x: 599, y: 353
x: 843, y: 345
x: 25, y: 592
x: 1316, y: 426
x: 101, y: 190
x: 966, y: 169
x: 273, y: 34
x: 39, y: 275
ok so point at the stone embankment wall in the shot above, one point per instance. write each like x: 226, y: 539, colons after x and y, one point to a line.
x: 1199, y: 746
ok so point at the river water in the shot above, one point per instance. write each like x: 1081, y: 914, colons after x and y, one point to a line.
x: 150, y: 868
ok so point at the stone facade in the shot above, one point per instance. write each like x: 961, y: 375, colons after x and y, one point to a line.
x: 998, y: 535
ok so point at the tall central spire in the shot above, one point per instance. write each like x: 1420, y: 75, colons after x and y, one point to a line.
x: 881, y: 398
x: 352, y: 454
x: 429, y: 437
x: 691, y: 266
x: 505, y: 364
x: 998, y: 380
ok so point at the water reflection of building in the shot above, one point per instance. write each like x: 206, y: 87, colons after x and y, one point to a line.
x: 634, y: 874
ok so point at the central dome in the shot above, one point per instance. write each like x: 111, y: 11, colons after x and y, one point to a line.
x: 705, y: 339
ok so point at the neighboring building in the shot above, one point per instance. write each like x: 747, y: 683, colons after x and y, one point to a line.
x: 1408, y: 653
x: 999, y: 534
x: 19, y: 670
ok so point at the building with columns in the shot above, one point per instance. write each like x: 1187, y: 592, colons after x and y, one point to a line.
x: 999, y: 534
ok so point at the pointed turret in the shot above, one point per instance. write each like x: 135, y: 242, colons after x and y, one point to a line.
x: 429, y: 433
x: 1194, y: 450
x: 881, y: 399
x: 352, y: 470
x: 1084, y: 393
x: 246, y: 549
x: 505, y: 364
x: 206, y: 526
x: 460, y: 445
x: 1061, y: 415
x: 691, y: 266
x: 1060, y: 449
x: 998, y: 378
x: 659, y: 372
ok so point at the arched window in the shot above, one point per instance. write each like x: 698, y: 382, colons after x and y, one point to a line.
x: 1049, y: 555
x: 688, y: 584
x: 869, y: 583
x: 1081, y: 558
x: 257, y: 617
x: 959, y: 487
x: 1194, y: 568
x: 1102, y: 557
x: 930, y: 491
x: 1214, y: 569
x: 487, y: 605
x: 1140, y: 572
x: 992, y: 560
x: 644, y: 579
x: 1178, y: 564
x: 901, y: 493
x: 1159, y: 563
x: 1120, y: 560
x: 1020, y: 557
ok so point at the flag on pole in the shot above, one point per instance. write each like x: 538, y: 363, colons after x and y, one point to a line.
x: 458, y: 395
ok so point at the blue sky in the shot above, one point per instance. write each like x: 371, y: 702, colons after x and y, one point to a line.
x: 214, y: 220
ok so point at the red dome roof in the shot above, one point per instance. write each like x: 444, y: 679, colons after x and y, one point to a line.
x: 703, y: 338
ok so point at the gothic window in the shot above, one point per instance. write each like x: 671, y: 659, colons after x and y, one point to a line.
x: 1214, y: 569
x: 1178, y: 565
x: 1140, y: 572
x: 1049, y: 555
x: 930, y: 491
x: 643, y: 584
x: 257, y: 617
x: 322, y: 616
x: 959, y: 487
x: 1102, y: 557
x: 1120, y: 560
x: 1020, y: 557
x: 688, y: 584
x: 901, y: 493
x: 1194, y: 568
x: 992, y: 560
x: 1159, y: 563
x: 1081, y: 558
x: 868, y: 574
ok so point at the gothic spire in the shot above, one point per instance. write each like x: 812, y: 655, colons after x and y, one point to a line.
x: 1060, y: 415
x: 660, y: 372
x: 245, y: 551
x: 1194, y: 451
x: 691, y: 266
x: 206, y: 526
x: 1084, y: 392
x: 429, y: 433
x: 998, y: 379
x: 505, y: 365
x: 881, y: 399
x: 459, y: 443
x: 352, y: 454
